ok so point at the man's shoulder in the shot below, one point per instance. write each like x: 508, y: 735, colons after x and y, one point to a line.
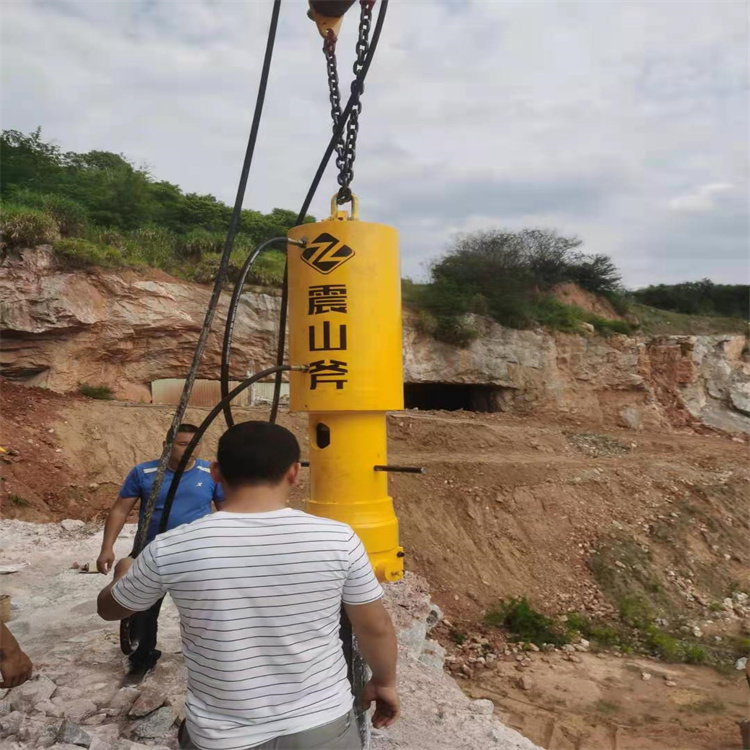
x: 147, y: 467
x: 202, y: 465
x: 321, y: 522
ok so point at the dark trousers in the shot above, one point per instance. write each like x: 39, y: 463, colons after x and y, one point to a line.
x: 145, y: 626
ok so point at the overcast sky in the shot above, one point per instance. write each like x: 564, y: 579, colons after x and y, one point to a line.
x: 625, y: 123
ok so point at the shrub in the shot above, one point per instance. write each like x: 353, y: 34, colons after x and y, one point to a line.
x: 18, y: 501
x: 199, y: 242
x: 21, y: 226
x: 70, y: 216
x: 268, y: 269
x: 694, y: 654
x: 552, y: 313
x: 608, y: 327
x: 636, y: 612
x: 524, y: 623
x: 80, y: 253
x: 457, y: 637
x: 664, y: 645
x: 698, y: 298
x: 152, y: 245
x: 578, y: 623
x: 103, y: 392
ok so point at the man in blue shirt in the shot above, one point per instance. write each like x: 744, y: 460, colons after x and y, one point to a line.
x: 196, y: 491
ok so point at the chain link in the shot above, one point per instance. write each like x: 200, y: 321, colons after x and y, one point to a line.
x: 346, y: 149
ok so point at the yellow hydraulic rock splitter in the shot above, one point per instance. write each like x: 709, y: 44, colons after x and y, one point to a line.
x: 345, y: 325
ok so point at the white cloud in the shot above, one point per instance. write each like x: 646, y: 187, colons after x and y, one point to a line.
x: 702, y: 199
x: 599, y: 119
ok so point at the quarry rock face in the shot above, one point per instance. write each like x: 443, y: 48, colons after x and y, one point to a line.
x: 125, y: 329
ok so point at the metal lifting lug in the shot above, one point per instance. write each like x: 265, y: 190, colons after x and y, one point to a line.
x: 328, y: 15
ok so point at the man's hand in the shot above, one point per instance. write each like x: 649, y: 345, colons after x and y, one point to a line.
x: 122, y: 567
x: 387, y: 704
x: 15, y: 666
x: 105, y: 561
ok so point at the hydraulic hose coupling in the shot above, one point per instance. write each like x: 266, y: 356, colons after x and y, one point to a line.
x: 345, y: 324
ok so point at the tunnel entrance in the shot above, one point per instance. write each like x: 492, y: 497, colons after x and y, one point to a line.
x: 452, y: 397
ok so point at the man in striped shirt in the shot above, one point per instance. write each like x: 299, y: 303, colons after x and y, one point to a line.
x: 259, y: 588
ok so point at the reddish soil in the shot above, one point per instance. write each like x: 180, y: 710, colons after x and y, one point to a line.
x: 509, y: 506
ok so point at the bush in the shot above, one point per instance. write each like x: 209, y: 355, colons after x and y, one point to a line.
x: 695, y: 654
x: 18, y: 501
x: 524, y: 623
x: 21, y: 226
x: 103, y: 392
x: 70, y: 216
x: 636, y: 612
x: 664, y: 645
x: 698, y: 298
x: 199, y: 242
x: 268, y: 269
x: 152, y: 245
x: 608, y: 327
x: 80, y: 253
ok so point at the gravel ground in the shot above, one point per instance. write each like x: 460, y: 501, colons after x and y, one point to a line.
x: 79, y: 684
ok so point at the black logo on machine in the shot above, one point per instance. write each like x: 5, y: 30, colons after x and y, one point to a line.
x: 325, y: 253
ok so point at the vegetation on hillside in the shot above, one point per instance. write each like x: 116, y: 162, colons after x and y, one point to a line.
x: 98, y: 208
x: 509, y: 276
x: 699, y: 298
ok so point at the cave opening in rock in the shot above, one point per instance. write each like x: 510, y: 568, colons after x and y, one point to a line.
x: 452, y: 397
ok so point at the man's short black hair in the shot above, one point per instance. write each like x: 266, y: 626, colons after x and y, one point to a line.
x: 185, y: 427
x: 253, y: 453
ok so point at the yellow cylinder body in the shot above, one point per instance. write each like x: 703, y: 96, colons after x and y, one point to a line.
x: 345, y: 325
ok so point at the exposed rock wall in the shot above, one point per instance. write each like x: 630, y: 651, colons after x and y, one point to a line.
x: 126, y: 329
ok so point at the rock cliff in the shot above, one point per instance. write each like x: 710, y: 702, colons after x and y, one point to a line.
x: 126, y: 329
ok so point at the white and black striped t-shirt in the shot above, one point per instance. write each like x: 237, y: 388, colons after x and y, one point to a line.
x: 259, y: 596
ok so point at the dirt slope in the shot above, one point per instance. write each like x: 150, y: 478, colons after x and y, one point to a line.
x: 576, y: 518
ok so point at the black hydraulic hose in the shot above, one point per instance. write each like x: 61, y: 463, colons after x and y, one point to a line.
x: 226, y: 349
x: 356, y: 90
x: 145, y: 521
x: 205, y: 424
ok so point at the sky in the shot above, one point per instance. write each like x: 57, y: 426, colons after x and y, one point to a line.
x: 622, y: 122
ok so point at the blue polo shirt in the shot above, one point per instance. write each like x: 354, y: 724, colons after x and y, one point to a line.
x: 196, y: 492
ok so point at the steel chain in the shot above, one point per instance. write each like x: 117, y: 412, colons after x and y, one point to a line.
x: 346, y: 149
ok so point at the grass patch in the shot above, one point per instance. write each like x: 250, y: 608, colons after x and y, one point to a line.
x: 706, y: 706
x: 458, y: 637
x: 103, y: 392
x: 606, y: 707
x: 18, y: 501
x: 524, y: 623
x: 653, y: 321
x: 22, y: 226
x: 78, y: 252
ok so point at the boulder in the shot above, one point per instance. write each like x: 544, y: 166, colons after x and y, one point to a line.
x: 79, y: 710
x: 10, y: 724
x: 71, y: 734
x: 25, y: 697
x: 157, y: 724
x: 71, y: 524
x: 147, y: 702
x: 124, y: 698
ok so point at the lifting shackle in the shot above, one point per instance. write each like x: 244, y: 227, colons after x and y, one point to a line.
x: 345, y: 325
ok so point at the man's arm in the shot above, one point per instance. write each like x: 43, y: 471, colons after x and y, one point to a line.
x: 107, y: 607
x: 15, y: 666
x: 376, y: 639
x: 375, y: 635
x: 136, y: 587
x: 112, y: 528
